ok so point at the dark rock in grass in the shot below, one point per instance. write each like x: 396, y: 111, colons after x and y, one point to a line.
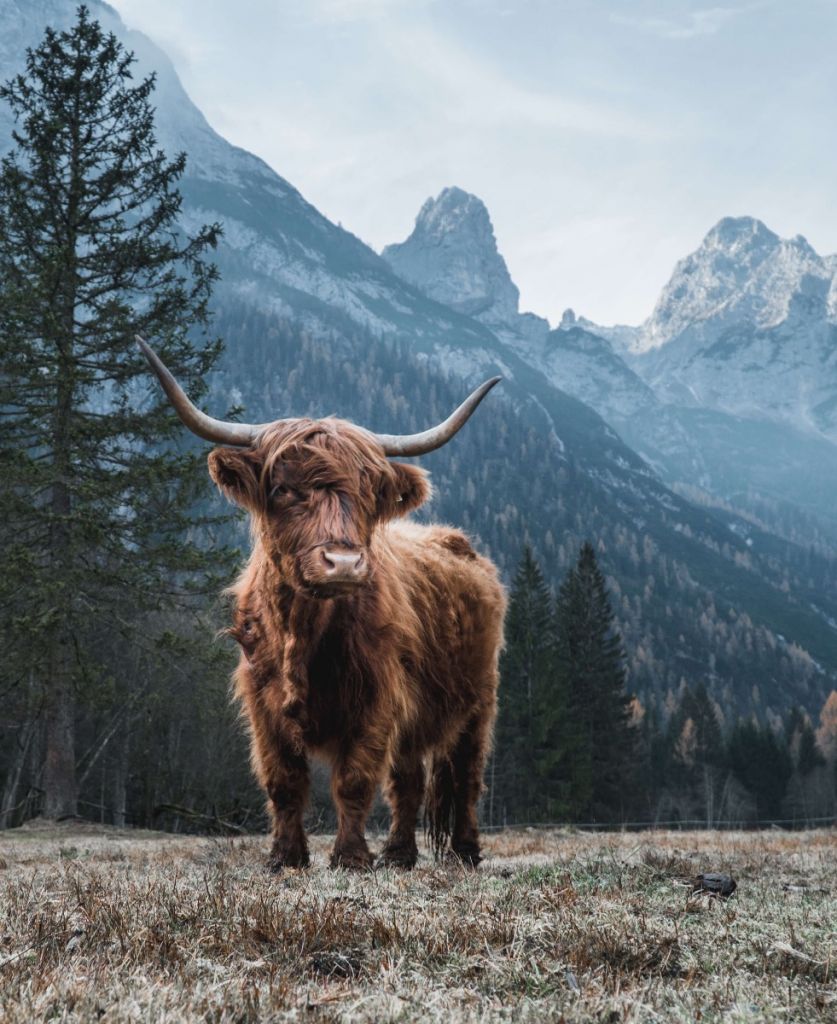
x: 715, y: 884
x: 336, y: 965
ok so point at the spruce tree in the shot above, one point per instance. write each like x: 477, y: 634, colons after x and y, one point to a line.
x: 527, y: 675
x: 762, y: 764
x: 597, y: 741
x: 95, y: 504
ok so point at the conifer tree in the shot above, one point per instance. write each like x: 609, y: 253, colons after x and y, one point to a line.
x: 95, y: 505
x: 527, y: 674
x: 762, y: 764
x: 597, y: 742
x: 698, y: 756
x: 802, y: 742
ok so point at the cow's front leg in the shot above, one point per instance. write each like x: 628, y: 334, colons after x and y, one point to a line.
x: 404, y: 790
x: 353, y: 781
x: 287, y: 784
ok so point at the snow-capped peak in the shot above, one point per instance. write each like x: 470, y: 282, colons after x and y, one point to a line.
x: 742, y: 271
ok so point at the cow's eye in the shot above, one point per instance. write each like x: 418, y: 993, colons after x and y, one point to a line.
x: 283, y: 491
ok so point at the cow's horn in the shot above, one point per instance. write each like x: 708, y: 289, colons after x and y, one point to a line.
x: 435, y: 437
x: 241, y: 434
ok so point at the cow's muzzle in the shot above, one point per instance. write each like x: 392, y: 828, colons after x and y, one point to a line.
x: 333, y: 570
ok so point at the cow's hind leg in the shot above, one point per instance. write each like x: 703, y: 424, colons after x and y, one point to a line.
x: 467, y: 765
x: 404, y: 791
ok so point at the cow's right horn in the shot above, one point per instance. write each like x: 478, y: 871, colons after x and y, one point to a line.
x: 240, y: 434
x: 435, y: 437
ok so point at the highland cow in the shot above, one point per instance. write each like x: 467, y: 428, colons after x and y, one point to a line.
x: 365, y: 640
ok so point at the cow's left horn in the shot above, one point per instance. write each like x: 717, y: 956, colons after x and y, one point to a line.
x: 435, y: 437
x: 241, y: 434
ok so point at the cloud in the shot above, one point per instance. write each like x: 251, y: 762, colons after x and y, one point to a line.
x: 347, y: 11
x: 477, y: 93
x: 705, y: 22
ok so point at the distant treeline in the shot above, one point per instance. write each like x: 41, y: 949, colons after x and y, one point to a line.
x: 161, y: 747
x: 572, y: 745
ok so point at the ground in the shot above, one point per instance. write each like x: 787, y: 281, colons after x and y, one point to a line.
x: 108, y: 925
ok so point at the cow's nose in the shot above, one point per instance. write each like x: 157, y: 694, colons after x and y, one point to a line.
x: 343, y: 565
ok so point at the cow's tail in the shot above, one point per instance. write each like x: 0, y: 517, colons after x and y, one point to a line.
x: 438, y: 805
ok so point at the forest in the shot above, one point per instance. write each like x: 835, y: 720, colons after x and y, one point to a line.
x: 644, y: 680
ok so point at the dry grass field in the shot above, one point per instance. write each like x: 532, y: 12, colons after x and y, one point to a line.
x: 100, y: 925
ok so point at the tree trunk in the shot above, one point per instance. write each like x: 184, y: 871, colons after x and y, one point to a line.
x: 120, y: 782
x: 59, y: 782
x: 60, y: 786
x: 7, y: 804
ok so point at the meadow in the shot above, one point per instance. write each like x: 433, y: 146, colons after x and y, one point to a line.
x: 99, y: 924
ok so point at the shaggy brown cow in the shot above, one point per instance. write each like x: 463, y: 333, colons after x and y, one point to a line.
x: 366, y: 640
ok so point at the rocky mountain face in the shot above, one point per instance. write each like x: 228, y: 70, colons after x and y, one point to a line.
x: 742, y: 272
x: 452, y: 257
x: 316, y: 322
x: 747, y: 325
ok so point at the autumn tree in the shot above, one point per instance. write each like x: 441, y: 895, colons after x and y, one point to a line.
x: 826, y: 735
x: 698, y: 756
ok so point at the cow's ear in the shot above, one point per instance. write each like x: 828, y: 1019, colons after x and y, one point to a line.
x: 412, y: 487
x: 236, y: 471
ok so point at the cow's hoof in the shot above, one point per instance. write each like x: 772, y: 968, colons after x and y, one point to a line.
x: 398, y: 857
x: 352, y: 860
x: 278, y: 860
x: 466, y: 856
x: 275, y: 865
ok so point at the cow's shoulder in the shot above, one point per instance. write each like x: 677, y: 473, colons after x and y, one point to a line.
x: 434, y: 539
x: 456, y: 542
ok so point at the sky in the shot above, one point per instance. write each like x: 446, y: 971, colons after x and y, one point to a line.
x: 606, y: 137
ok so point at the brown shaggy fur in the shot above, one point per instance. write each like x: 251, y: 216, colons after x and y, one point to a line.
x: 393, y: 677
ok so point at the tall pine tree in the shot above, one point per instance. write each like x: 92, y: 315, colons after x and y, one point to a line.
x: 516, y: 791
x: 95, y: 506
x: 761, y: 762
x: 597, y: 739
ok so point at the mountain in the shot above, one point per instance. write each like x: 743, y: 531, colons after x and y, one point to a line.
x: 277, y: 247
x: 622, y: 337
x: 452, y: 257
x: 747, y: 325
x: 742, y: 459
x: 742, y: 450
x: 315, y: 322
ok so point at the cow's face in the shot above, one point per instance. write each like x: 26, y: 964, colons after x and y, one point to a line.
x: 316, y: 490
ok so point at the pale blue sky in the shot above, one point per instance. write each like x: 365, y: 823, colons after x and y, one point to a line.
x: 605, y: 136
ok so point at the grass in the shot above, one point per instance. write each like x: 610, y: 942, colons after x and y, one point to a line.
x: 103, y: 925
